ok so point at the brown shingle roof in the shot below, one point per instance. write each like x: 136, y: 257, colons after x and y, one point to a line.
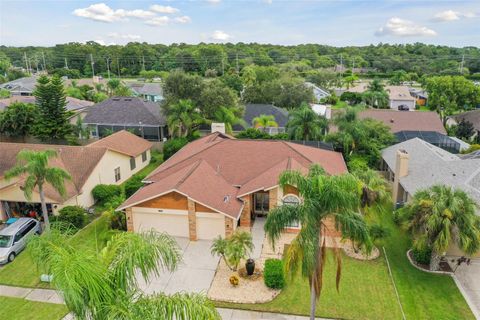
x: 124, y: 142
x: 406, y: 120
x: 79, y: 162
x: 228, y: 166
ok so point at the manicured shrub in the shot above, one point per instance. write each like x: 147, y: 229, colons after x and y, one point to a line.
x: 170, y: 147
x: 103, y: 193
x: 118, y: 220
x: 378, y: 232
x: 133, y: 184
x: 273, y: 275
x: 422, y: 254
x: 73, y: 215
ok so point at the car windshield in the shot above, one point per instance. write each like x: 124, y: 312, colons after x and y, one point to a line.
x: 4, y: 241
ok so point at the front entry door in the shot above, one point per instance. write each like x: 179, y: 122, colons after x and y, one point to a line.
x: 261, y: 201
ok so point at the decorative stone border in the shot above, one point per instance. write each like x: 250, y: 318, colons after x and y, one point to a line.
x: 347, y: 248
x: 425, y: 270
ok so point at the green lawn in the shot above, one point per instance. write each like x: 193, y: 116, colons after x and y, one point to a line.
x: 366, y: 291
x: 20, y: 309
x: 340, y: 105
x: 22, y: 272
x: 423, y: 108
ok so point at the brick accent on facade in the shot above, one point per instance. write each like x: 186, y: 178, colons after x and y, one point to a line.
x: 245, y: 217
x: 228, y: 226
x: 192, y: 220
x: 272, y: 198
x: 129, y: 216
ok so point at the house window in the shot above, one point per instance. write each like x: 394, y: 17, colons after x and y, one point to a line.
x: 291, y: 200
x: 117, y: 174
x: 133, y: 165
x: 144, y: 156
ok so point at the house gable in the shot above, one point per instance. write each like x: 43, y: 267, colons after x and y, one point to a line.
x: 172, y: 200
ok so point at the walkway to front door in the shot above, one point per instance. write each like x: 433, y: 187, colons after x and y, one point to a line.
x: 258, y: 235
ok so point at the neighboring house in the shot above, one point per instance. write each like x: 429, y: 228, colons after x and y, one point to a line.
x: 415, y: 164
x: 92, y: 82
x: 21, y: 87
x: 416, y: 124
x: 111, y: 160
x: 472, y: 116
x: 150, y: 91
x: 217, y: 183
x: 420, y: 95
x: 397, y: 95
x: 76, y: 106
x: 322, y: 110
x: 143, y: 118
x: 318, y: 92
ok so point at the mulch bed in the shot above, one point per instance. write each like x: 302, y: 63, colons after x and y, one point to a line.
x: 444, y: 266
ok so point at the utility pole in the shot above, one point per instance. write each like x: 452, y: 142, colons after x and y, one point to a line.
x: 93, y: 70
x: 223, y: 66
x: 108, y: 68
x: 341, y: 65
x: 26, y: 61
x: 118, y: 67
x: 143, y: 62
x: 44, y: 64
x: 461, y: 64
x: 66, y: 63
x: 353, y: 67
x: 236, y: 60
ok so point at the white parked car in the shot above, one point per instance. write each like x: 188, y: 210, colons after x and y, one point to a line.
x: 13, y: 238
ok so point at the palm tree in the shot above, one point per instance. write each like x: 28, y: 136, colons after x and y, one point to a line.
x: 264, y: 121
x: 305, y: 124
x: 35, y: 166
x: 374, y: 187
x: 323, y: 197
x: 376, y: 86
x: 113, y: 85
x: 229, y: 118
x: 441, y: 216
x: 183, y: 118
x: 233, y: 249
x: 104, y: 285
x: 350, y: 80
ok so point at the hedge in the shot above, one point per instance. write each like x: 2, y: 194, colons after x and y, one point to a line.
x: 103, y: 193
x: 273, y: 275
x: 73, y: 215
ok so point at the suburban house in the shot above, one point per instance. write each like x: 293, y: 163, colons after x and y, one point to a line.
x: 397, y: 95
x: 74, y: 105
x: 111, y: 160
x: 420, y: 95
x: 415, y: 164
x: 143, y: 118
x: 472, y: 116
x: 150, y: 91
x: 21, y: 87
x: 416, y: 124
x: 217, y: 183
x: 322, y: 110
x: 318, y: 92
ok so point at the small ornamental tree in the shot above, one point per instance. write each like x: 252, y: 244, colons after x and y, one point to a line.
x: 234, y: 248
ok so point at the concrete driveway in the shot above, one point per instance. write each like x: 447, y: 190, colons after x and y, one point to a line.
x: 195, y: 273
x: 468, y: 280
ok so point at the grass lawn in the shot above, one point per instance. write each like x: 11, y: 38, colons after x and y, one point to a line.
x: 366, y: 291
x: 22, y: 272
x: 20, y: 309
x: 339, y: 105
x: 424, y: 108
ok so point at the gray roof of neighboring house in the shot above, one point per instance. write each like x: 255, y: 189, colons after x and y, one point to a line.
x: 429, y: 165
x: 255, y: 110
x: 73, y: 104
x: 126, y: 111
x: 26, y: 84
x: 472, y: 116
x: 147, y: 88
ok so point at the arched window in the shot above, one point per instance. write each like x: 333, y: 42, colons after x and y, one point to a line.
x: 291, y: 200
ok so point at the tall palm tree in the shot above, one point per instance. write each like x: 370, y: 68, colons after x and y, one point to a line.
x: 183, y: 118
x: 374, y: 187
x: 264, y: 121
x: 376, y: 86
x: 323, y: 197
x: 34, y: 165
x: 112, y: 85
x: 441, y: 216
x: 305, y: 124
x: 104, y: 285
x: 229, y: 118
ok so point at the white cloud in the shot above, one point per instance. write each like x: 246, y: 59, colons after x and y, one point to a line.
x: 183, y: 19
x: 164, y: 9
x: 116, y: 35
x: 158, y: 21
x: 450, y: 15
x: 102, y: 12
x: 214, y: 1
x: 404, y: 28
x: 102, y: 42
x: 219, y: 35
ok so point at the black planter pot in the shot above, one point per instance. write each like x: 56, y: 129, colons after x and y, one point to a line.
x: 250, y: 266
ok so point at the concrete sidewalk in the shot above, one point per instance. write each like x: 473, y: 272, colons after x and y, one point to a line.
x: 40, y: 295
x: 233, y: 314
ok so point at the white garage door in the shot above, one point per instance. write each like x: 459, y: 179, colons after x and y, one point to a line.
x: 210, y: 225
x: 175, y: 224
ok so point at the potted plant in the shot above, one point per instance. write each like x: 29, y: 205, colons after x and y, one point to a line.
x: 250, y: 266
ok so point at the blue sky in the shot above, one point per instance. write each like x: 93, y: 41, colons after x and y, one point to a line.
x: 338, y: 23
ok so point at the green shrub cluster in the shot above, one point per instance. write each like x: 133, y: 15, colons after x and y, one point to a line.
x: 72, y: 215
x: 133, y: 184
x: 104, y: 193
x: 273, y: 275
x: 422, y: 254
x: 170, y: 147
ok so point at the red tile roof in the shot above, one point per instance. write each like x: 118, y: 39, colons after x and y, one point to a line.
x: 227, y: 167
